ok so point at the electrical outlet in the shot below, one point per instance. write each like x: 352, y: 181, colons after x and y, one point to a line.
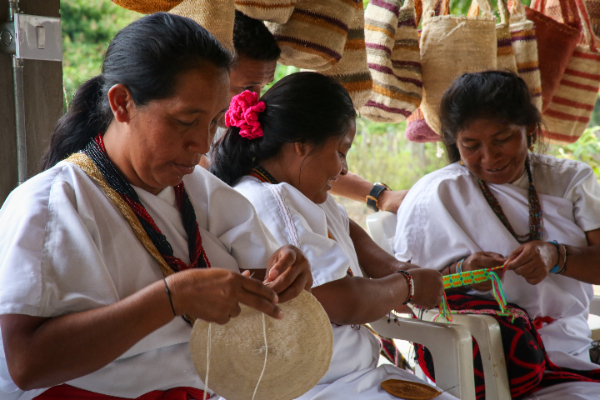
x: 38, y: 38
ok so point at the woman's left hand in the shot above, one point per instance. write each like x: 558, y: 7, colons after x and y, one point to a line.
x: 533, y: 260
x: 288, y: 273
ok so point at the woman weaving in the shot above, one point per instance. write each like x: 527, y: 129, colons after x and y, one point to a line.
x: 499, y: 204
x: 85, y: 308
x: 282, y: 152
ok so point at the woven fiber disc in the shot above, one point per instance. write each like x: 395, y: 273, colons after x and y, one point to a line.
x: 410, y: 390
x: 300, y: 346
x: 147, y: 6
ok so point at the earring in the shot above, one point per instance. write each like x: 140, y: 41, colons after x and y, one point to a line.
x: 461, y: 162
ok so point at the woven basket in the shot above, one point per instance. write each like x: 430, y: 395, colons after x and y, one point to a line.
x: 217, y: 17
x: 147, y: 6
x: 524, y: 45
x: 392, y: 44
x: 267, y: 10
x: 352, y: 72
x: 315, y: 34
x: 570, y: 109
x: 556, y: 42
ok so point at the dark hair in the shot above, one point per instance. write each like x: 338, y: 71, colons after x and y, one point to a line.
x: 303, y: 107
x: 498, y: 95
x: 252, y: 39
x: 147, y: 56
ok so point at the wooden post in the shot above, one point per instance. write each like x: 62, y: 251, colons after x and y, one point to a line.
x: 43, y: 102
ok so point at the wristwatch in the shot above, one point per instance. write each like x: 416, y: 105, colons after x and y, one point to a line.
x: 372, y: 202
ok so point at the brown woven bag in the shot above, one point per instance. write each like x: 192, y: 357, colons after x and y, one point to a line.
x: 217, y: 17
x: 570, y: 109
x: 593, y: 7
x: 267, y: 10
x: 352, y: 72
x: 147, y: 6
x: 451, y: 46
x: 556, y: 42
x: 315, y: 34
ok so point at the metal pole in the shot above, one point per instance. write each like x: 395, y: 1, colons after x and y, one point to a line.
x: 17, y: 64
x: 20, y: 119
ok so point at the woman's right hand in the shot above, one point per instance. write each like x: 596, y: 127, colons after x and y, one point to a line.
x: 483, y: 260
x: 429, y: 287
x: 214, y: 294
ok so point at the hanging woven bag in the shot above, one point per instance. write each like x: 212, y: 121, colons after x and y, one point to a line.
x: 392, y: 43
x: 506, y: 56
x: 352, y: 71
x: 524, y: 44
x: 556, y: 42
x: 147, y: 6
x: 217, y: 17
x: 570, y: 109
x: 267, y: 10
x: 315, y: 34
x: 593, y: 7
x: 451, y: 46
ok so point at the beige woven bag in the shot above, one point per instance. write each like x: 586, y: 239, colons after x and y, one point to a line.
x: 393, y: 56
x: 451, y: 46
x: 217, y: 17
x: 352, y: 71
x: 524, y: 45
x: 147, y: 6
x: 267, y: 10
x: 315, y: 35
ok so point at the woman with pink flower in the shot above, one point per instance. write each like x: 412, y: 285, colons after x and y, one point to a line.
x: 282, y: 152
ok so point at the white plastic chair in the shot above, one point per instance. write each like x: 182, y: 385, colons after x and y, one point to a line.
x: 484, y: 328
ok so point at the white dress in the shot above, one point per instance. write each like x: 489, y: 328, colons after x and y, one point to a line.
x: 294, y: 219
x: 445, y: 217
x: 66, y: 248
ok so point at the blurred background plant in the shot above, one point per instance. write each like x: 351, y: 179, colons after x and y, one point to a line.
x: 380, y: 151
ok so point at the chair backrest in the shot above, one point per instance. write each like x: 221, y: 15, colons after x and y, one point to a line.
x: 382, y: 227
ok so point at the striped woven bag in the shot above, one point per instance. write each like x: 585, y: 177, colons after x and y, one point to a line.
x: 217, y: 17
x: 352, y: 72
x: 556, y: 42
x: 315, y: 34
x: 392, y: 43
x: 524, y: 44
x: 147, y: 6
x: 267, y: 10
x: 569, y: 112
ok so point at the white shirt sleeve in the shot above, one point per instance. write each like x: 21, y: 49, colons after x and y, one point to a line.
x: 294, y: 219
x: 584, y: 192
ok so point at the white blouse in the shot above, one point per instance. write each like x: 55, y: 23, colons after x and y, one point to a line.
x: 66, y: 248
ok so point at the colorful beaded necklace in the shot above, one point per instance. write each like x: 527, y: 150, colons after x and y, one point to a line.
x: 536, y: 224
x: 96, y: 152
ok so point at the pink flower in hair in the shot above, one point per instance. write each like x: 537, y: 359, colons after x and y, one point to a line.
x: 243, y: 113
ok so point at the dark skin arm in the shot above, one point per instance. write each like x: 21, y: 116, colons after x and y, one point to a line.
x: 43, y: 352
x: 358, y: 300
x: 356, y: 188
x: 534, y: 260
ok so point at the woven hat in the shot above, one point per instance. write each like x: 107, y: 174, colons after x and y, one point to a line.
x: 267, y: 10
x: 300, y: 346
x: 147, y: 6
x: 216, y: 16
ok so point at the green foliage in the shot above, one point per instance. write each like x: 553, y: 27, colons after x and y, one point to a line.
x: 88, y: 27
x: 586, y: 149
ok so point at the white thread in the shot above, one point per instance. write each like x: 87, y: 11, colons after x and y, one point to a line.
x: 208, y: 345
x: 266, y: 351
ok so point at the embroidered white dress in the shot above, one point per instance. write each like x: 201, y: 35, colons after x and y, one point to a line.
x: 65, y: 248
x: 445, y: 217
x: 294, y: 219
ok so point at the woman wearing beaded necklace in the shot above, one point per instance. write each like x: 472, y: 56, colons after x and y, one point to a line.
x: 500, y: 204
x: 282, y: 153
x: 101, y: 253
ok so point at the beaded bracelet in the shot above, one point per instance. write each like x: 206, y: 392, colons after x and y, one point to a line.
x: 564, y: 266
x: 409, y: 282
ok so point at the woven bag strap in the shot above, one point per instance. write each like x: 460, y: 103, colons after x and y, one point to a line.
x: 89, y: 167
x: 588, y: 33
x: 502, y: 8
